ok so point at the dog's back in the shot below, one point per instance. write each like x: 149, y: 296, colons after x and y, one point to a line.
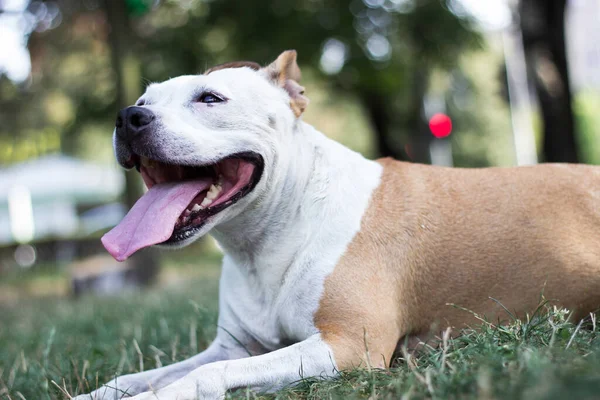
x: 436, y: 236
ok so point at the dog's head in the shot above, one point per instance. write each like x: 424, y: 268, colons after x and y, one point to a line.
x: 205, y: 146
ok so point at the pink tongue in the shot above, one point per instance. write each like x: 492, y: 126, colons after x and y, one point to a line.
x: 153, y: 217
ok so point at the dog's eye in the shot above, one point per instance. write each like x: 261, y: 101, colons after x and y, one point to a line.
x: 140, y: 102
x: 208, y: 97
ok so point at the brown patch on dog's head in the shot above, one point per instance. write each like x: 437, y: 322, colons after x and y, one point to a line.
x: 285, y: 73
x: 234, y: 64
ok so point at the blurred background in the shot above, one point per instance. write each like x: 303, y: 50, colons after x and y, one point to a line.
x: 469, y: 83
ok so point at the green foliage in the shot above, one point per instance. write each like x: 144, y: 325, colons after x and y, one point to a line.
x: 390, y: 46
x: 138, y: 7
x: 482, y: 134
x: 72, y: 91
x: 585, y: 107
x: 72, y: 86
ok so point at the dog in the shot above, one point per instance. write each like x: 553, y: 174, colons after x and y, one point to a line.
x: 328, y: 254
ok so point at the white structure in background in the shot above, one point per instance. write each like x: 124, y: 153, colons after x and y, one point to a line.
x: 20, y: 214
x: 583, y: 44
x: 519, y: 96
x: 583, y: 48
x: 39, y: 199
x: 495, y: 18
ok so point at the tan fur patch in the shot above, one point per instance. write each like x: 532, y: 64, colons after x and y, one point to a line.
x: 234, y: 64
x: 284, y: 72
x: 433, y: 236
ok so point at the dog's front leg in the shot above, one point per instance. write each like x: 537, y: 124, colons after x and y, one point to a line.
x: 267, y: 373
x: 129, y: 385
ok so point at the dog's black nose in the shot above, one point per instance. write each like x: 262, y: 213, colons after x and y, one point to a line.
x: 132, y: 121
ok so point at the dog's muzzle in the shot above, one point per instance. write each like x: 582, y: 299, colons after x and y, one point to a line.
x: 133, y: 122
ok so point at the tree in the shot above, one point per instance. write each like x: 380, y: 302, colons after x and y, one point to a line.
x: 389, y: 49
x: 543, y: 27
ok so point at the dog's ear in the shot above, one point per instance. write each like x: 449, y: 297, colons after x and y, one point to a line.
x: 285, y: 73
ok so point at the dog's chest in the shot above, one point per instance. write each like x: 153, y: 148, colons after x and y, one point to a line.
x: 272, y: 291
x: 275, y: 315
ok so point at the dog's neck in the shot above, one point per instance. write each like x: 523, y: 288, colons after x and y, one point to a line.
x: 315, y: 180
x: 276, y: 211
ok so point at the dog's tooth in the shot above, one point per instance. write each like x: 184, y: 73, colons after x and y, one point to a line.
x: 186, y: 213
x: 196, y: 208
x: 206, y: 202
x: 213, y: 192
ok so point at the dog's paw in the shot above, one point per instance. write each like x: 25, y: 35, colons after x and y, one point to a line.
x: 117, y: 389
x: 181, y: 394
x: 200, y: 384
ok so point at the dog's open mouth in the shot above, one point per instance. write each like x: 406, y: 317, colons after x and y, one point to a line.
x: 180, y: 199
x: 220, y: 185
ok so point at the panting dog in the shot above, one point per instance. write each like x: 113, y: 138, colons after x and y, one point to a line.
x: 328, y: 254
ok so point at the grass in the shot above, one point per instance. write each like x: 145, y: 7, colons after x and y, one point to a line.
x: 79, y: 344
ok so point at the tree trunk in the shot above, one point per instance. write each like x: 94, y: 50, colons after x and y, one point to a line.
x: 376, y: 106
x: 543, y: 26
x: 420, y: 137
x: 145, y: 263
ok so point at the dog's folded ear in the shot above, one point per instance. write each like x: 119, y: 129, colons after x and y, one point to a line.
x: 285, y: 73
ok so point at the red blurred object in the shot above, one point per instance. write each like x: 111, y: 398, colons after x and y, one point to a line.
x: 440, y: 125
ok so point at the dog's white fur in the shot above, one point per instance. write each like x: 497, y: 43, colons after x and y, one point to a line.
x: 280, y: 241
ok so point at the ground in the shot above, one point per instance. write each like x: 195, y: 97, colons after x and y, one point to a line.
x: 55, y: 345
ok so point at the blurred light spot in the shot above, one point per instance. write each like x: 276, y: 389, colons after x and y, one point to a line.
x: 14, y: 57
x: 379, y: 18
x: 25, y: 255
x: 59, y: 108
x: 20, y: 212
x: 333, y: 56
x: 216, y: 40
x: 491, y: 14
x: 16, y: 24
x: 38, y: 9
x: 378, y: 47
x: 363, y: 25
x: 51, y: 18
x: 14, y: 5
x: 440, y: 125
x: 401, y: 6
